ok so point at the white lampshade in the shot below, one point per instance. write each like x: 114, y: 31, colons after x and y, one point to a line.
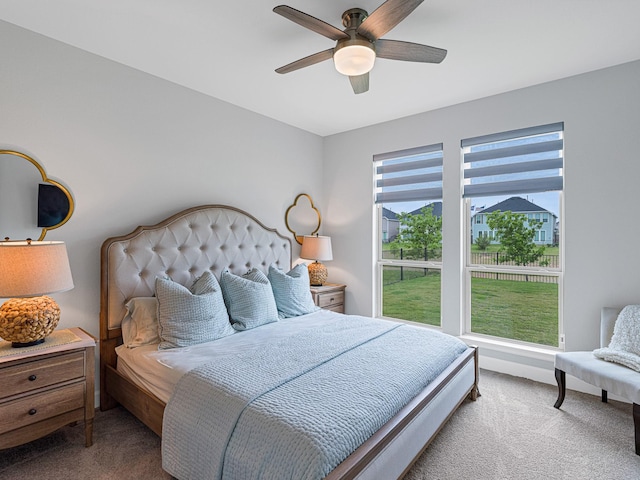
x: 316, y: 247
x: 29, y: 269
x: 354, y: 60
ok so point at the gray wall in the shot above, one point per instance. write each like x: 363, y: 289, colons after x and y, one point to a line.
x: 134, y: 149
x: 601, y: 114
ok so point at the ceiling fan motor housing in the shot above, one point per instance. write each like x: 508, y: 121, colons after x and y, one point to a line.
x: 354, y: 55
x: 353, y: 18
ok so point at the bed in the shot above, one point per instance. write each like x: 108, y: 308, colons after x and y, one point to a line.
x: 226, y: 240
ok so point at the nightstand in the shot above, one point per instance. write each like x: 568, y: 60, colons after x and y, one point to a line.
x: 45, y: 388
x: 329, y: 296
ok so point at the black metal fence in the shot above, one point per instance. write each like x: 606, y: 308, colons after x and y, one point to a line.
x: 477, y: 258
x: 423, y: 254
x: 497, y: 258
x: 394, y: 274
x: 516, y: 277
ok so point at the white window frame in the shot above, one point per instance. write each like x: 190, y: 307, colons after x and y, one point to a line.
x: 545, y: 271
x: 381, y: 262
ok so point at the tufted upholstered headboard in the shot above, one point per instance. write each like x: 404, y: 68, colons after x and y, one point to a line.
x: 209, y: 237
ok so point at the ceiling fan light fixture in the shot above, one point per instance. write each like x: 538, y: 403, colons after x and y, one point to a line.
x: 358, y: 45
x: 354, y: 58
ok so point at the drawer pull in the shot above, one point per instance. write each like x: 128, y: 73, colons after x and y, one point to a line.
x: 332, y: 299
x: 33, y: 411
x: 32, y: 378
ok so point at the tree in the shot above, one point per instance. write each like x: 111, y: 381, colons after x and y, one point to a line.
x: 419, y: 232
x: 515, y: 233
x: 483, y: 242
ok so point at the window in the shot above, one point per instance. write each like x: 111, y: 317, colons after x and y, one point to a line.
x: 408, y: 202
x: 514, y: 283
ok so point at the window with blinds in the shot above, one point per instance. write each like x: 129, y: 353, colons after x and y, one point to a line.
x: 512, y: 185
x: 408, y: 200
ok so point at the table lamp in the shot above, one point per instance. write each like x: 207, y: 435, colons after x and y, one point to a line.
x: 29, y: 270
x: 316, y: 247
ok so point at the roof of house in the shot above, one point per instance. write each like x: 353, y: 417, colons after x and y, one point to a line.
x: 514, y: 204
x: 386, y: 213
x: 436, y: 211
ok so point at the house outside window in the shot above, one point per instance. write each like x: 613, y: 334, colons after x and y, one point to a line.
x: 408, y: 186
x: 514, y: 282
x: 390, y: 225
x: 516, y: 205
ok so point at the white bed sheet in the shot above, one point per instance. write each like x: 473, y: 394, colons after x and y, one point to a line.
x: 158, y: 371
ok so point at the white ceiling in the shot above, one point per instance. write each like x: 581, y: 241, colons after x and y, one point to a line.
x: 229, y: 50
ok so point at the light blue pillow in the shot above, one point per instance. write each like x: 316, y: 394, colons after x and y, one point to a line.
x: 291, y: 291
x: 249, y: 299
x: 191, y: 316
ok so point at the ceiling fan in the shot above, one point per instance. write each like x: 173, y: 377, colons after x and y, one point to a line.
x: 359, y: 44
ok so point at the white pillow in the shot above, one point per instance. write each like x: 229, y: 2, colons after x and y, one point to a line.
x: 291, y: 291
x: 141, y: 326
x: 249, y: 299
x: 191, y: 316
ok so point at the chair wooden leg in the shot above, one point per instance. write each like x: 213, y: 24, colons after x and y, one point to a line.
x: 604, y: 396
x: 636, y: 424
x: 561, y: 378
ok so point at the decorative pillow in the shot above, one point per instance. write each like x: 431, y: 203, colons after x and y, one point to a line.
x: 624, y: 347
x: 128, y: 329
x: 187, y: 317
x: 249, y: 299
x: 143, y: 326
x: 291, y: 291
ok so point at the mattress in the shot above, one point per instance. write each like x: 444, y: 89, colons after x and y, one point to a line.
x: 158, y: 371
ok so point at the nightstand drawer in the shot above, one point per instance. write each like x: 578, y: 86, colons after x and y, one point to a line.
x: 335, y: 308
x: 330, y: 298
x: 38, y: 407
x: 41, y: 373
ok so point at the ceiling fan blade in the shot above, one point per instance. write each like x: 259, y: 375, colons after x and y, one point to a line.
x: 312, y: 23
x: 408, y: 51
x: 360, y: 83
x: 386, y: 16
x: 307, y: 61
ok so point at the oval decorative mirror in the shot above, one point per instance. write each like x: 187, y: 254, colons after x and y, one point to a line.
x: 30, y: 202
x: 302, y: 218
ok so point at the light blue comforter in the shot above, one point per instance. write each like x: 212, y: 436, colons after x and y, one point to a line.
x: 299, y: 406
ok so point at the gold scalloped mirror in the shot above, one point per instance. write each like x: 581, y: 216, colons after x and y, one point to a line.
x: 302, y: 217
x: 30, y: 202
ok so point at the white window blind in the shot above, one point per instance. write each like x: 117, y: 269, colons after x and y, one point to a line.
x: 409, y: 175
x: 527, y: 160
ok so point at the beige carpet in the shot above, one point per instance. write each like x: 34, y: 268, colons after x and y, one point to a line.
x: 511, y: 432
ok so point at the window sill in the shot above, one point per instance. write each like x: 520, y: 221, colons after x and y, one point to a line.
x: 524, y: 350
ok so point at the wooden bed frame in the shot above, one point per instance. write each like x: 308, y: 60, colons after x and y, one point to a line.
x: 217, y: 237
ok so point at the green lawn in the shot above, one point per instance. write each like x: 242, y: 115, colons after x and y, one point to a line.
x: 526, y: 311
x: 416, y: 298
